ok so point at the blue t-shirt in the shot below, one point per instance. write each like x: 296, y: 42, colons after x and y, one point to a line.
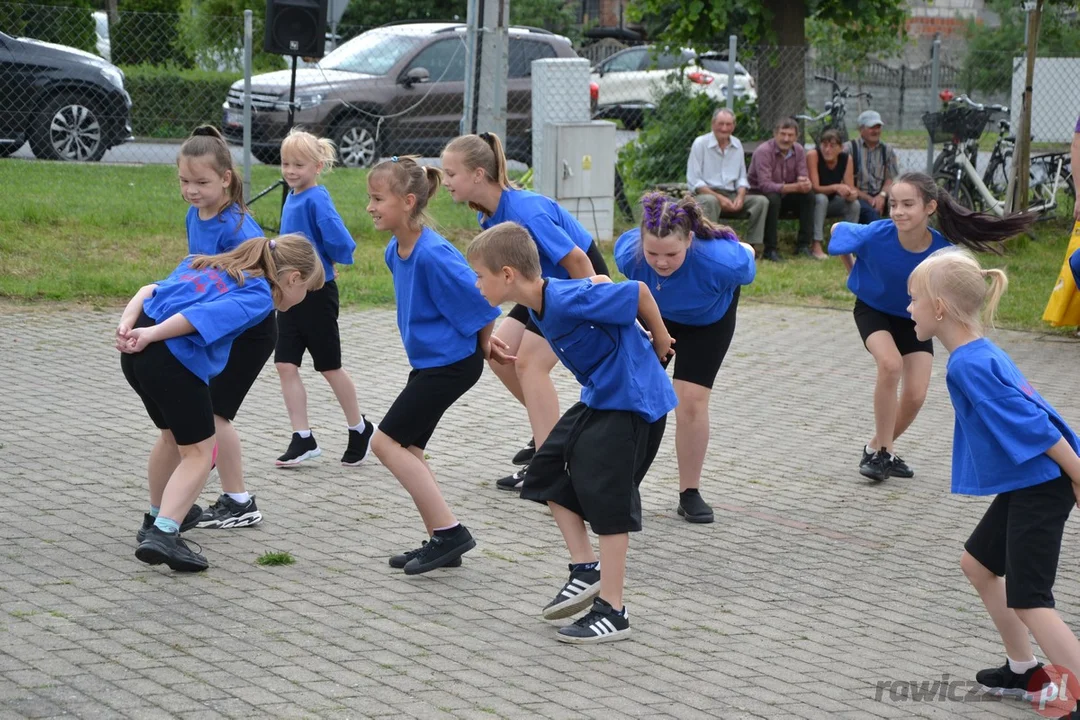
x: 593, y: 330
x: 881, y: 270
x: 1074, y: 264
x: 218, y: 308
x: 1003, y: 427
x: 700, y: 291
x: 313, y: 215
x: 439, y: 309
x: 221, y: 233
x: 555, y: 231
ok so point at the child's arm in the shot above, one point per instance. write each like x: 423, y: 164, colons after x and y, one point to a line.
x: 494, y: 348
x: 131, y: 315
x: 846, y: 252
x: 1063, y: 454
x: 649, y: 311
x: 174, y: 326
x: 578, y: 264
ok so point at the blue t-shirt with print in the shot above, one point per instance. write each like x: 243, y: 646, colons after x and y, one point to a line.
x: 555, y: 231
x: 439, y: 309
x: 700, y: 291
x: 313, y: 215
x: 218, y: 308
x: 221, y: 233
x: 593, y: 329
x: 1003, y: 426
x: 1074, y: 265
x: 882, y: 264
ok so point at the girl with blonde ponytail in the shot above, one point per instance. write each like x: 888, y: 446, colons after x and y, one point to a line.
x: 1009, y: 442
x: 694, y: 270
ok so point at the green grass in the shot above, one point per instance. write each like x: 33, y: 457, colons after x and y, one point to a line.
x: 96, y: 233
x: 916, y: 140
x: 276, y: 558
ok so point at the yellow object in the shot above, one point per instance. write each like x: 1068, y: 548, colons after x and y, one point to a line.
x: 1063, y: 307
x: 586, y: 162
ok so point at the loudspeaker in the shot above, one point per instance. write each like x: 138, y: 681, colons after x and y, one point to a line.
x: 296, y: 27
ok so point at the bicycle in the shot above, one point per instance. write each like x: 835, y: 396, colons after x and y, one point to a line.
x: 835, y: 110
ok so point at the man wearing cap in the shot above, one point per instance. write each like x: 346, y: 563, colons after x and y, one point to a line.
x: 876, y: 167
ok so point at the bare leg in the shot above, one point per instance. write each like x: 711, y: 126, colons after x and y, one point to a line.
x: 1058, y: 642
x: 916, y: 379
x: 991, y: 588
x: 164, y: 459
x: 345, y: 392
x: 613, y: 561
x: 187, y: 480
x: 691, y: 431
x: 534, y: 364
x: 415, y: 476
x: 889, y: 369
x: 574, y: 533
x: 510, y: 331
x: 230, y: 462
x: 292, y: 389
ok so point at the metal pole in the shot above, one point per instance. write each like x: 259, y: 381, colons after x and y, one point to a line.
x: 473, y: 34
x: 289, y: 123
x: 247, y: 105
x: 935, y: 78
x: 733, y: 43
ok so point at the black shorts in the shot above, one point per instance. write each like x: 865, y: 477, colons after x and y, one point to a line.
x: 521, y: 313
x: 247, y: 357
x: 1019, y: 538
x: 592, y: 464
x: 700, y: 349
x: 174, y: 397
x: 428, y: 394
x: 311, y: 325
x: 902, y: 329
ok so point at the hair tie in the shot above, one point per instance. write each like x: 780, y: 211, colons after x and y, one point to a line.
x: 393, y: 159
x: 273, y: 244
x: 485, y: 136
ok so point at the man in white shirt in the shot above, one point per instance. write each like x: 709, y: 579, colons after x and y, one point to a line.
x: 716, y: 174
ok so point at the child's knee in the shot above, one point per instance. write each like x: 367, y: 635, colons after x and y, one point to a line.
x: 287, y: 370
x: 890, y: 367
x: 976, y: 573
x: 381, y: 443
x: 201, y: 452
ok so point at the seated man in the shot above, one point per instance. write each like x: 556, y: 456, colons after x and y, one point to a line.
x: 876, y: 167
x: 778, y: 171
x: 832, y: 176
x: 716, y: 174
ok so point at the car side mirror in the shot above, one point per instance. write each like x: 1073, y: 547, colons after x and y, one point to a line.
x: 416, y: 76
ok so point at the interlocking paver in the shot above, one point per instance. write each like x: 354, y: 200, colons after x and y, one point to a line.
x: 810, y: 589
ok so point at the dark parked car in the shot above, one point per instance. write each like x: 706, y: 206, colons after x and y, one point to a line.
x: 394, y: 90
x: 69, y: 104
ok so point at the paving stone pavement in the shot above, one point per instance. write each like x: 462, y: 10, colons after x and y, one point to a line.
x: 808, y: 597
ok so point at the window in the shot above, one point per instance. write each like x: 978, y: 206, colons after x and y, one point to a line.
x: 664, y: 61
x: 523, y: 52
x: 444, y: 60
x: 372, y: 53
x: 626, y: 61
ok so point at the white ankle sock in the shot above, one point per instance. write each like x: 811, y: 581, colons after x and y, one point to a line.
x: 303, y: 433
x: 359, y: 427
x: 1022, y: 667
x: 241, y: 498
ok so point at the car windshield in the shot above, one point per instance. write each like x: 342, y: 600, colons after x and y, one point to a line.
x: 718, y: 65
x: 373, y: 53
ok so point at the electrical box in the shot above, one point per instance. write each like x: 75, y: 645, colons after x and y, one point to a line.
x: 580, y: 162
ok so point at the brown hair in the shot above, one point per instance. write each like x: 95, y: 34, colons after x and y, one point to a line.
x: 404, y: 176
x: 262, y: 257
x: 484, y: 151
x: 831, y: 135
x: 954, y: 277
x: 661, y: 216
x: 786, y: 123
x: 506, y: 245
x: 206, y: 141
x: 301, y: 143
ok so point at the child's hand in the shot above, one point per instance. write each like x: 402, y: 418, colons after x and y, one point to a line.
x: 498, y: 351
x: 1076, y: 491
x: 139, y: 338
x: 663, y: 344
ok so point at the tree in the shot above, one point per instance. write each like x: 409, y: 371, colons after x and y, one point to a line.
x: 371, y: 13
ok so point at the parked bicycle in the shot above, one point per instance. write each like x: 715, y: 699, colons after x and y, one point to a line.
x: 835, y: 113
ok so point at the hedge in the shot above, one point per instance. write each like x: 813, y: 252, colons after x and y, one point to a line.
x: 52, y: 21
x: 170, y: 103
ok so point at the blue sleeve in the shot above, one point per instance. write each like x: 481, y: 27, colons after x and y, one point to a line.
x: 336, y: 241
x: 233, y: 311
x: 391, y: 247
x: 1018, y: 425
x: 1074, y: 263
x: 848, y: 238
x: 626, y: 251
x: 551, y: 240
x: 612, y: 303
x: 240, y: 227
x: 733, y: 265
x: 453, y: 284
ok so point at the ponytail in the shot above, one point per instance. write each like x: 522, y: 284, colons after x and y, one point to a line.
x: 484, y: 151
x: 661, y: 216
x: 998, y: 283
x: 954, y: 277
x: 207, y: 143
x: 270, y: 259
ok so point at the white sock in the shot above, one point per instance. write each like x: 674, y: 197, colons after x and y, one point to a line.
x: 358, y: 427
x: 1022, y: 667
x: 241, y: 498
x: 303, y: 433
x: 870, y: 450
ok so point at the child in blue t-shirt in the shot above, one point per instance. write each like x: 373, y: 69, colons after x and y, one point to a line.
x: 694, y: 270
x: 474, y: 168
x: 1009, y: 442
x: 175, y: 336
x: 879, y: 258
x: 218, y: 222
x: 592, y: 462
x: 445, y: 325
x: 313, y: 324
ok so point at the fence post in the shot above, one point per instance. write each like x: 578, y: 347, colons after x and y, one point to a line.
x: 247, y: 104
x: 733, y: 44
x: 900, y: 114
x: 935, y: 70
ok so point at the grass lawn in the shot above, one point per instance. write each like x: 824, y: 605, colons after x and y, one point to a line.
x: 96, y: 233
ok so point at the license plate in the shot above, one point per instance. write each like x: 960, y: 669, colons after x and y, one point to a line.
x: 234, y: 118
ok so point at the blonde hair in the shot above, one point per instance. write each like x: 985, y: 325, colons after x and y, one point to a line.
x: 207, y: 143
x: 954, y: 277
x: 270, y: 259
x: 506, y: 245
x: 404, y: 176
x: 484, y: 151
x: 302, y: 144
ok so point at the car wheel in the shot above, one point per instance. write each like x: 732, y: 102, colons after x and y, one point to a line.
x: 69, y: 127
x: 267, y: 155
x: 356, y: 144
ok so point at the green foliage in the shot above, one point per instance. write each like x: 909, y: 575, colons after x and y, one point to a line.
x: 64, y: 22
x: 371, y: 13
x: 148, y: 32
x: 558, y: 16
x: 849, y: 57
x: 168, y: 102
x: 275, y: 558
x: 211, y: 33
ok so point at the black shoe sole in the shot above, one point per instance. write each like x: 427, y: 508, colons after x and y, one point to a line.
x: 455, y: 563
x: 704, y: 519
x: 905, y: 476
x: 870, y: 474
x: 153, y: 556
x: 455, y: 554
x: 569, y: 608
x: 509, y: 488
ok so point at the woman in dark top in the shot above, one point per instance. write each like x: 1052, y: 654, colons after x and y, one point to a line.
x: 833, y: 176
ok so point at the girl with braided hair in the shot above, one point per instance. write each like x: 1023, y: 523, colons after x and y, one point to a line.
x: 694, y: 269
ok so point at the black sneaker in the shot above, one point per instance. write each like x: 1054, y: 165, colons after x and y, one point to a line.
x: 899, y: 468
x: 439, y: 551
x: 694, y: 508
x: 300, y: 449
x: 190, y: 521
x: 359, y: 445
x: 162, y: 547
x: 525, y: 455
x: 1003, y: 682
x: 576, y: 595
x: 399, y: 561
x: 877, y: 467
x: 773, y: 256
x: 602, y: 624
x: 866, y: 455
x: 512, y: 482
x: 227, y: 513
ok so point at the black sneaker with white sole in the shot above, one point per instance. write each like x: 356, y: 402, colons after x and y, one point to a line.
x: 399, y: 561
x: 162, y: 547
x: 576, y: 595
x: 440, y: 551
x: 602, y: 624
x: 227, y: 513
x: 512, y: 482
x: 1003, y: 682
x: 525, y: 455
x: 899, y: 468
x: 877, y: 467
x: 300, y: 449
x: 359, y: 444
x: 190, y: 520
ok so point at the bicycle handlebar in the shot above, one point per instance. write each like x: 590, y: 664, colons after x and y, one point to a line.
x: 979, y: 106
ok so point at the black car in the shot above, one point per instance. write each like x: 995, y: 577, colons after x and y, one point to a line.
x: 69, y: 104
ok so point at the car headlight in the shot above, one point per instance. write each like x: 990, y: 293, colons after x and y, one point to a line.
x: 113, y: 76
x: 303, y: 102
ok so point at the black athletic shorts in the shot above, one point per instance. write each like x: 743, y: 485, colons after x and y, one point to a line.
x: 592, y: 464
x: 428, y: 394
x: 175, y: 398
x: 700, y: 349
x: 902, y: 329
x: 247, y: 358
x: 521, y: 313
x: 311, y: 325
x: 1019, y: 538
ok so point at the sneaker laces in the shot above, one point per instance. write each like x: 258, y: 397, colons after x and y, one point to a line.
x: 429, y: 546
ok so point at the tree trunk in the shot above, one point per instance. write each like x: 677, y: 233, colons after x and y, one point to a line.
x: 113, y: 11
x: 1022, y: 158
x: 781, y: 67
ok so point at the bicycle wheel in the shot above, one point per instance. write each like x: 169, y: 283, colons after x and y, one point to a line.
x: 996, y: 176
x: 960, y: 192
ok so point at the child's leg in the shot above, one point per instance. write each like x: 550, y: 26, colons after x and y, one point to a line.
x: 187, y: 480
x: 1057, y: 641
x: 292, y: 390
x: 613, y: 561
x: 534, y: 364
x: 345, y: 392
x: 164, y: 459
x: 991, y: 588
x: 915, y: 381
x: 510, y: 331
x: 230, y: 463
x: 691, y: 431
x: 572, y: 527
x: 890, y: 367
x: 415, y: 476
